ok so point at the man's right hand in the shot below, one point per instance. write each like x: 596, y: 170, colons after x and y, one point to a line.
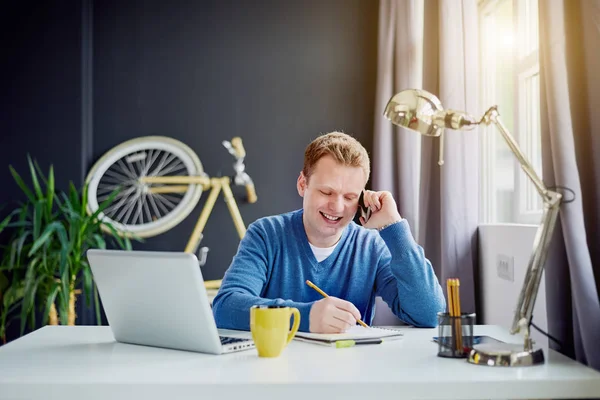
x: 332, y: 315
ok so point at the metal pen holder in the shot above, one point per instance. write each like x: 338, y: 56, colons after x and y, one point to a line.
x: 455, y: 335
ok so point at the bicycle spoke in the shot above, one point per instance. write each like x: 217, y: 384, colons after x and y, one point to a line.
x: 146, y: 208
x: 132, y: 170
x: 114, y: 182
x: 106, y: 195
x: 171, y: 197
x: 140, y: 163
x: 138, y: 212
x: 126, y: 170
x: 151, y: 161
x: 124, y: 195
x: 118, y: 196
x: 168, y: 162
x: 154, y: 207
x: 117, y: 175
x: 166, y: 159
x: 177, y: 166
x: 164, y: 199
x: 143, y: 163
x: 130, y: 207
x: 160, y: 163
x: 160, y: 203
x: 108, y: 189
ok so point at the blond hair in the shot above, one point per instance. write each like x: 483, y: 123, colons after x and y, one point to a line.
x: 343, y: 148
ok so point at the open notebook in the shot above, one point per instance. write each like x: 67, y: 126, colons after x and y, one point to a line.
x: 355, y: 333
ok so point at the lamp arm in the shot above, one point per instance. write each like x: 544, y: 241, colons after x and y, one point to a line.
x: 531, y: 283
x: 492, y: 116
x: 552, y: 201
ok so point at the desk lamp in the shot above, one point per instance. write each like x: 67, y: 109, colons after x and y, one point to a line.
x: 422, y: 112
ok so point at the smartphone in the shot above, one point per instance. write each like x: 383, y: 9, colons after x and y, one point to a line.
x: 363, y: 211
x: 478, y: 340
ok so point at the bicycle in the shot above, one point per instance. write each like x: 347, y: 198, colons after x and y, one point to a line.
x: 161, y: 181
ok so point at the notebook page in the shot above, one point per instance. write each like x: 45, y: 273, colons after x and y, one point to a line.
x: 356, y: 332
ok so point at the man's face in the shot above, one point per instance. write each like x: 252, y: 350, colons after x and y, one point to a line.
x: 330, y: 200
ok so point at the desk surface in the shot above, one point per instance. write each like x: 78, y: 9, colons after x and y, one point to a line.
x: 86, y: 362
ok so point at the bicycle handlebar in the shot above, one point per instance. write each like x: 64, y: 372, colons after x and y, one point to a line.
x: 236, y: 148
x: 251, y: 191
x: 237, y: 145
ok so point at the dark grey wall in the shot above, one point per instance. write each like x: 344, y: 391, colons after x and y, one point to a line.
x: 40, y: 96
x: 274, y: 72
x: 40, y: 90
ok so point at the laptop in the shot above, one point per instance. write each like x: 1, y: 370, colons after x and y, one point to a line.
x: 159, y: 299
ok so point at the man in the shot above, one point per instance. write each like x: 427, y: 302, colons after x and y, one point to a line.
x: 321, y: 243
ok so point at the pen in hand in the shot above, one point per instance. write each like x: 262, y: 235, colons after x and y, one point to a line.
x: 322, y: 293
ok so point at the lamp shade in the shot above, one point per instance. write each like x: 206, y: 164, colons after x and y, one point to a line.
x: 416, y: 110
x: 422, y: 112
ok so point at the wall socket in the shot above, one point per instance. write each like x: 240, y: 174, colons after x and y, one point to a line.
x: 506, y: 267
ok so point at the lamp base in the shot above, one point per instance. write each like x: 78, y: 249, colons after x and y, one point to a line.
x: 505, y: 355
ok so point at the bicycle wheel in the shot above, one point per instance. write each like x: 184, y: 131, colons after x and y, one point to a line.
x: 135, y: 210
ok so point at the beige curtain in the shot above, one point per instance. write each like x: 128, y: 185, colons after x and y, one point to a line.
x: 431, y: 45
x: 570, y: 99
x: 399, y: 66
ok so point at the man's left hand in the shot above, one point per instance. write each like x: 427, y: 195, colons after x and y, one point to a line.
x: 383, y: 209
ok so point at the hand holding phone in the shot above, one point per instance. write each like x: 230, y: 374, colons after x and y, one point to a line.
x: 377, y: 209
x: 364, y: 211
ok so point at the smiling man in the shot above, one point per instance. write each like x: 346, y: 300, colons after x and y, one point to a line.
x: 320, y: 242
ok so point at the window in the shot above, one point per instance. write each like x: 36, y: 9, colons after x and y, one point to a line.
x: 509, y: 78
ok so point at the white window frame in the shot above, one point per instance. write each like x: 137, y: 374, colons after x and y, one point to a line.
x: 528, y: 208
x: 526, y: 130
x: 487, y: 141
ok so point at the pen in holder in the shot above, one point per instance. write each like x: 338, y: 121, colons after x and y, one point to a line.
x: 455, y: 336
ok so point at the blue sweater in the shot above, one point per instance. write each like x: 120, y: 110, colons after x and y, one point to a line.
x: 274, y: 260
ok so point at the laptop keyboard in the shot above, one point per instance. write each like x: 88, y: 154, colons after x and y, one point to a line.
x: 230, y: 340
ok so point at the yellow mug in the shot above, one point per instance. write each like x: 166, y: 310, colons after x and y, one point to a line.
x: 270, y: 327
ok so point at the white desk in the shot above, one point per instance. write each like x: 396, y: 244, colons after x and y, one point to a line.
x: 86, y: 363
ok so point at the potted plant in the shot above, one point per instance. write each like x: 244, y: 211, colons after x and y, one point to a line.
x: 44, y: 264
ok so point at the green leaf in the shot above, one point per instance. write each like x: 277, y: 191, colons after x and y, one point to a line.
x: 4, y: 283
x: 63, y: 308
x: 74, y: 196
x: 127, y: 243
x: 98, y: 241
x: 108, y: 201
x: 6, y: 221
x: 50, y: 191
x: 97, y: 306
x: 50, y: 300
x: 88, y: 281
x: 11, y: 296
x: 84, y: 200
x: 63, y: 268
x: 38, y: 212
x: 21, y: 184
x: 45, y: 237
x: 34, y: 179
x: 20, y: 244
x: 62, y: 236
x: 115, y: 235
x: 40, y: 172
x: 23, y: 216
x: 28, y: 309
x: 5, y: 312
x: 13, y: 256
